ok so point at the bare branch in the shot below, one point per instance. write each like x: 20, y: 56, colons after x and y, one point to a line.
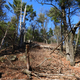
x: 77, y: 25
x: 8, y: 60
x: 72, y: 12
x: 48, y: 4
x: 43, y: 62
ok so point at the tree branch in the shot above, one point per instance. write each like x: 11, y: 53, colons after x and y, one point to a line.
x: 48, y: 4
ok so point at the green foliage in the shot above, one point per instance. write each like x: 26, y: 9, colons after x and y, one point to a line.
x: 56, y: 29
x: 29, y: 34
x: 78, y: 2
x: 3, y: 27
x: 41, y: 18
x: 30, y: 12
x: 37, y: 36
x: 12, y: 25
x: 50, y: 32
x: 32, y: 15
x: 57, y: 32
x: 16, y: 6
x: 59, y: 2
x: 11, y: 30
x: 67, y: 3
x: 54, y: 14
x: 2, y: 13
x: 43, y: 32
x: 50, y: 35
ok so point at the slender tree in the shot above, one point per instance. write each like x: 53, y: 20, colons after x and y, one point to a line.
x: 57, y: 34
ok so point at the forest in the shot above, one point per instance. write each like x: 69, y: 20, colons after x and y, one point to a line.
x: 39, y: 45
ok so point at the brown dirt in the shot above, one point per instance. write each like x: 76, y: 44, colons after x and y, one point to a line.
x: 56, y: 64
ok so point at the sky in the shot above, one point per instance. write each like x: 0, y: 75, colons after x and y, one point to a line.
x: 38, y: 7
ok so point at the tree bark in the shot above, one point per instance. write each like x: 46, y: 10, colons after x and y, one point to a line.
x: 71, y: 50
x: 61, y: 36
x: 17, y: 28
x: 3, y: 38
x: 77, y: 41
x: 27, y: 57
x: 67, y: 49
x: 57, y: 41
x: 65, y: 29
x: 14, y: 36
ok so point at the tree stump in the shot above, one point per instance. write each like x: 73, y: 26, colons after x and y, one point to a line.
x: 27, y: 57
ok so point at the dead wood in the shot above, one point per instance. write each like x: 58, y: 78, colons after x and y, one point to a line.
x: 46, y: 46
x: 43, y: 46
x: 8, y: 60
x: 27, y: 57
x: 38, y: 75
x: 43, y: 62
x: 26, y: 71
x: 48, y: 75
x: 46, y: 60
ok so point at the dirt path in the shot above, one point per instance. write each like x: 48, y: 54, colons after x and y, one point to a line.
x: 45, y: 66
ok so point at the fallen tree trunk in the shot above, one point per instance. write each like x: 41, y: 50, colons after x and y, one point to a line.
x: 44, y: 46
x: 26, y: 71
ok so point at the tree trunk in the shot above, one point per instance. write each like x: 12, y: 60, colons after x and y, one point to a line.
x: 21, y: 38
x: 61, y: 36
x: 67, y: 49
x: 20, y: 15
x: 17, y: 28
x: 57, y: 41
x: 51, y: 41
x: 27, y: 57
x: 77, y: 41
x: 3, y: 39
x: 14, y: 42
x: 71, y: 48
x: 65, y: 29
x: 46, y: 41
x: 33, y: 32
